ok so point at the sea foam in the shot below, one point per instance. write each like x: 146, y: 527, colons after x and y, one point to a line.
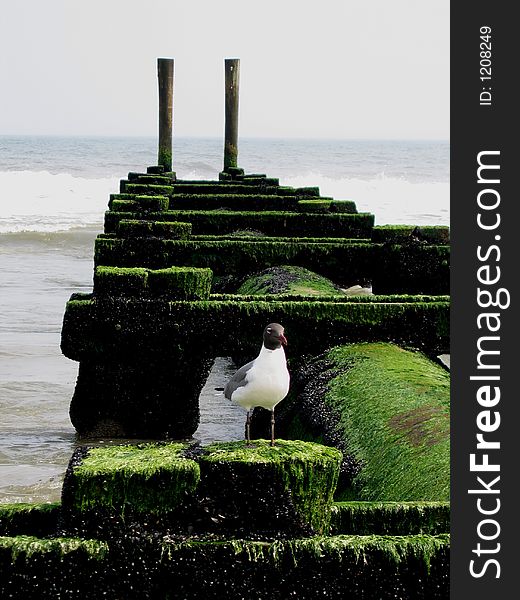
x: 393, y: 200
x: 39, y: 201
x: 46, y: 202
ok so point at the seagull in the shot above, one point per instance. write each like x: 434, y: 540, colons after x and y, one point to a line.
x: 265, y: 380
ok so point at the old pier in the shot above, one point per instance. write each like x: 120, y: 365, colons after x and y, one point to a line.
x: 365, y: 514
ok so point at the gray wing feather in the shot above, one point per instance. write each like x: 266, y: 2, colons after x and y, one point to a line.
x: 238, y: 380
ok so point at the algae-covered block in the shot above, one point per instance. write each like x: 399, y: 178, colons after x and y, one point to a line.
x: 120, y: 281
x: 399, y: 234
x: 327, y: 205
x: 321, y: 205
x: 143, y: 189
x: 308, y: 191
x: 145, y: 228
x: 288, y: 279
x: 343, y: 206
x: 181, y: 283
x: 270, y: 223
x: 155, y: 169
x: 152, y: 203
x: 390, y: 518
x: 262, y: 490
x: 177, y: 283
x: 339, y: 567
x: 412, y: 267
x: 29, y: 519
x: 141, y: 479
x: 60, y: 567
x: 233, y: 201
x: 123, y: 205
x: 392, y: 408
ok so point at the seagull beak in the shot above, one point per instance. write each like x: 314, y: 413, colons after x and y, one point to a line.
x: 283, y: 339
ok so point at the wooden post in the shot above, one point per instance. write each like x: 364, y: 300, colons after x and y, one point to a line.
x: 165, y: 77
x: 232, y: 71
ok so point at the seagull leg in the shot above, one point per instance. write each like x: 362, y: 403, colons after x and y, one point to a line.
x: 272, y: 427
x: 248, y: 428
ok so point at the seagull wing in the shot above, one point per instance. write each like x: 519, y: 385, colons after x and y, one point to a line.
x: 238, y: 380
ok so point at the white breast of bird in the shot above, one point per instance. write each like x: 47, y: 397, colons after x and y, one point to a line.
x: 267, y: 381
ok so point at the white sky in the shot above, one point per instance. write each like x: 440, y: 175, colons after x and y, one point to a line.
x: 330, y: 69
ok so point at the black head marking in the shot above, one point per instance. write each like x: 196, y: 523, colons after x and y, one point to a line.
x: 274, y: 336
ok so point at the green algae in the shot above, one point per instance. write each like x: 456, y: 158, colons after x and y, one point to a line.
x: 327, y: 205
x: 390, y: 518
x: 145, y: 228
x: 272, y: 223
x: 181, y: 282
x: 124, y: 205
x: 145, y: 189
x: 24, y: 546
x: 10, y: 510
x: 397, y: 234
x: 165, y: 158
x: 143, y: 478
x: 394, y: 415
x: 175, y: 282
x: 308, y: 472
x: 341, y: 548
x: 238, y: 201
x: 92, y: 328
x: 120, y: 281
x: 289, y: 280
x: 26, y: 518
x: 155, y: 203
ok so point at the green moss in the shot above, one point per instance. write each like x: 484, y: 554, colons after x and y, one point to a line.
x: 251, y: 235
x: 118, y: 281
x: 237, y: 201
x: 8, y: 511
x: 394, y: 416
x: 90, y: 329
x: 312, y: 191
x: 181, y: 283
x: 417, y: 269
x: 141, y: 189
x: 230, y: 160
x: 143, y: 478
x: 167, y: 178
x: 152, y: 203
x: 390, y: 518
x: 124, y: 205
x: 308, y: 472
x: 345, y: 264
x: 165, y: 158
x: 360, y: 550
x: 343, y: 206
x: 27, y: 547
x: 24, y: 518
x: 163, y: 229
x: 289, y: 280
x: 414, y: 267
x: 398, y: 234
x: 241, y: 188
x: 327, y: 205
x: 280, y: 223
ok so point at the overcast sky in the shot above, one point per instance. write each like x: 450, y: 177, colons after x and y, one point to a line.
x: 330, y: 69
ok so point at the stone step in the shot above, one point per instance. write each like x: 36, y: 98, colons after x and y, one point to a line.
x: 227, y: 488
x: 277, y: 224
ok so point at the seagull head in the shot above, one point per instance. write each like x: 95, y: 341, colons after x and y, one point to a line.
x: 274, y: 336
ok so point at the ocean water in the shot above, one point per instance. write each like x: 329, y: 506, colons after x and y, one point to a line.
x: 53, y: 194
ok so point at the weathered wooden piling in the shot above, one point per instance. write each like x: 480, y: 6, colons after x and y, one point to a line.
x: 232, y: 75
x: 165, y: 79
